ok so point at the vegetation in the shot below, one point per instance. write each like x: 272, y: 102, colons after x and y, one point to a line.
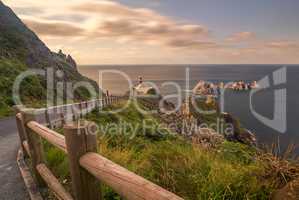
x: 230, y: 171
x: 177, y: 165
x: 32, y: 90
x: 12, y: 45
x: 21, y: 49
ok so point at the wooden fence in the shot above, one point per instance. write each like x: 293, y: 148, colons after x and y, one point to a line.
x: 88, y: 169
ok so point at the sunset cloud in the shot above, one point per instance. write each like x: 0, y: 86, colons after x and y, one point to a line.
x: 28, y: 10
x: 159, y: 32
x: 283, y: 45
x: 107, y: 19
x: 241, y: 37
x: 82, y: 26
x: 74, y: 18
x: 114, y: 9
x: 57, y: 29
x: 177, y: 43
x: 143, y: 25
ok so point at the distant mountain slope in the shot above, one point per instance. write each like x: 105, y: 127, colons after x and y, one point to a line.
x: 20, y: 48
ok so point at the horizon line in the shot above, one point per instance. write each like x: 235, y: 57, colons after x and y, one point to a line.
x: 182, y: 64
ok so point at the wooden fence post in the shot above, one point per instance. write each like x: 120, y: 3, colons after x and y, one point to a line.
x: 21, y: 128
x: 73, y: 113
x: 48, y: 120
x: 35, y: 145
x: 63, y: 120
x: 107, y: 97
x: 104, y: 102
x: 97, y: 104
x: 80, y: 108
x: 85, y: 107
x: 100, y: 104
x: 78, y: 143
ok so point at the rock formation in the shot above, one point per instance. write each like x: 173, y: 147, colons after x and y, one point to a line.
x: 240, y: 134
x: 67, y: 59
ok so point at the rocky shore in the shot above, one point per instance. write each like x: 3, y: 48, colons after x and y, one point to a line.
x: 284, y: 172
x: 190, y: 124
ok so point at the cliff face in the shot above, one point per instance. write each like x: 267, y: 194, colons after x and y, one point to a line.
x: 20, y: 49
x: 17, y: 41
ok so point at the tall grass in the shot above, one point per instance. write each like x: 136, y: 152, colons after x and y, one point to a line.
x: 231, y: 171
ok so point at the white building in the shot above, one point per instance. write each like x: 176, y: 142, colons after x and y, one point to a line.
x: 143, y: 88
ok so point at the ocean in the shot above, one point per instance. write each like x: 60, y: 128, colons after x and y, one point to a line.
x: 259, y: 118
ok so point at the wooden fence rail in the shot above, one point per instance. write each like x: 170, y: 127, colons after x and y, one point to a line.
x: 53, y: 183
x: 126, y: 183
x: 88, y: 169
x: 51, y: 136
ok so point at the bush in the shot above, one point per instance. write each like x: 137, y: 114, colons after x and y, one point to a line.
x: 32, y: 88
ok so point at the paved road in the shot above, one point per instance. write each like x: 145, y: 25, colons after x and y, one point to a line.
x: 11, y: 183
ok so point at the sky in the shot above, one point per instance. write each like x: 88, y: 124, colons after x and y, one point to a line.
x: 167, y: 31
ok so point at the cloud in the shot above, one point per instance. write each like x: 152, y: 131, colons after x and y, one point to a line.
x: 68, y: 18
x: 115, y: 9
x: 54, y: 29
x: 142, y: 25
x: 28, y: 10
x: 159, y: 38
x: 177, y: 43
x: 112, y: 20
x: 290, y: 45
x: 241, y: 37
x: 152, y: 32
x: 145, y: 29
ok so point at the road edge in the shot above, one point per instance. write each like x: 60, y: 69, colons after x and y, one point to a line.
x: 28, y: 179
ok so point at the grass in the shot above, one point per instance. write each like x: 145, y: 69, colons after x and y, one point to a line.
x: 32, y: 89
x: 231, y: 171
x: 190, y: 172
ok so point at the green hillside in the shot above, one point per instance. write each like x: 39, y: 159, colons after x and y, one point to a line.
x: 21, y: 49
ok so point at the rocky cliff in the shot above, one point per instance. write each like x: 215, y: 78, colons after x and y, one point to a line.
x: 20, y: 49
x: 66, y: 59
x: 18, y: 41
